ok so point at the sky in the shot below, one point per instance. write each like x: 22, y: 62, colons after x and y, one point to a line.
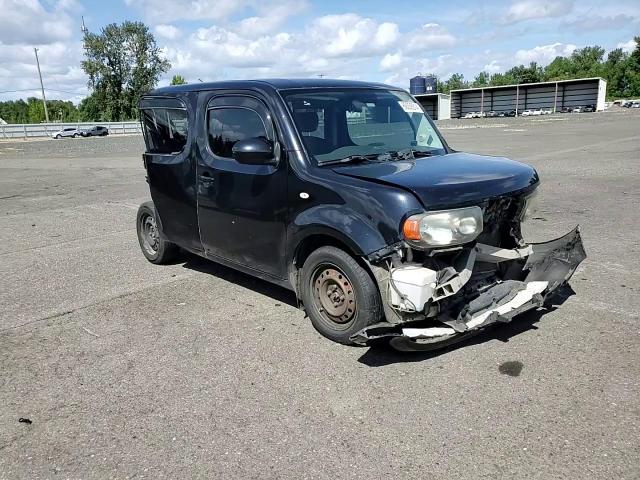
x: 374, y: 40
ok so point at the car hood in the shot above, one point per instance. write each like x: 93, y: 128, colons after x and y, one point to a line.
x: 449, y: 180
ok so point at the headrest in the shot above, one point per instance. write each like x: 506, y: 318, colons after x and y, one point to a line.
x: 307, y: 121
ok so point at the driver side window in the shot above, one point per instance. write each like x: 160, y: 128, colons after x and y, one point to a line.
x: 229, y: 125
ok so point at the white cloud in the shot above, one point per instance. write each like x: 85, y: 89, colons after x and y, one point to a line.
x: 391, y: 61
x: 543, y: 55
x: 430, y: 36
x: 25, y: 22
x: 627, y: 46
x: 535, y: 9
x: 492, y: 67
x: 167, y: 31
x: 172, y: 10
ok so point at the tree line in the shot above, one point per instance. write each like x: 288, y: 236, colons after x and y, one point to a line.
x: 621, y: 70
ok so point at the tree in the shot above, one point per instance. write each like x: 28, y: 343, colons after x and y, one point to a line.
x: 178, y: 80
x: 455, y: 82
x: 481, y: 80
x: 123, y: 62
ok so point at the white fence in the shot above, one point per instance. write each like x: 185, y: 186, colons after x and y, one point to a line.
x: 32, y: 130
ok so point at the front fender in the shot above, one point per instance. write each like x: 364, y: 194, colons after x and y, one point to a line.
x: 339, y: 222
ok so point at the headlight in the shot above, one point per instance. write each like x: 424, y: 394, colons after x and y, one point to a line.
x: 444, y: 227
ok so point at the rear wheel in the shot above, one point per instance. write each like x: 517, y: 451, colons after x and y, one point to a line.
x: 156, y: 249
x: 339, y: 295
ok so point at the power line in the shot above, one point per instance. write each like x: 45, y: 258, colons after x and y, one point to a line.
x: 44, y: 99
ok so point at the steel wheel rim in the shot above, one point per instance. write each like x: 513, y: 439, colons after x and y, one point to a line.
x: 149, y: 234
x: 334, y: 296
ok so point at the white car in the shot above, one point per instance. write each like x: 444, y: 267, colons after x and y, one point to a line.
x: 576, y: 110
x: 536, y: 112
x: 546, y: 111
x: 67, y: 132
x: 470, y: 115
x: 527, y: 113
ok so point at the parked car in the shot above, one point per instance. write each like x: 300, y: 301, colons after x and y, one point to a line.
x: 627, y: 104
x: 492, y: 114
x: 470, y: 115
x: 546, y: 111
x: 589, y: 108
x: 380, y: 229
x: 635, y: 105
x: 527, y: 113
x: 566, y: 110
x: 511, y: 113
x: 67, y: 132
x: 536, y: 112
x: 577, y: 110
x: 96, y: 131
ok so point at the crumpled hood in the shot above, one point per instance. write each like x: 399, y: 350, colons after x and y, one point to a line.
x: 449, y: 180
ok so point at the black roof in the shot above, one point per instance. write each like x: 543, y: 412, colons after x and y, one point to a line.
x: 276, y: 83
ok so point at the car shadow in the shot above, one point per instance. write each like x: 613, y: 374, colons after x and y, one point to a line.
x: 277, y: 293
x: 382, y: 354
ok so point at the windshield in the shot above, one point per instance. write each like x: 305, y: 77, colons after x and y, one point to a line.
x: 338, y: 124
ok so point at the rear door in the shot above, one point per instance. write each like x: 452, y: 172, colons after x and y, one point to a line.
x: 168, y: 131
x: 241, y: 208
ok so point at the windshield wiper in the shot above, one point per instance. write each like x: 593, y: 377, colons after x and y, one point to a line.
x: 410, y: 153
x: 350, y: 159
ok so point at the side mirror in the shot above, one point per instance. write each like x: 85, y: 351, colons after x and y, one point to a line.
x: 253, y: 151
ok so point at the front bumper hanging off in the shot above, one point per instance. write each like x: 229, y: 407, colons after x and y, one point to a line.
x: 539, y: 269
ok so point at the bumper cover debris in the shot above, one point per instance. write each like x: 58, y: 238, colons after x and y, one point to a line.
x: 535, y: 273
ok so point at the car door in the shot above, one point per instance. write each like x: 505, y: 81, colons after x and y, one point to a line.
x: 241, y: 208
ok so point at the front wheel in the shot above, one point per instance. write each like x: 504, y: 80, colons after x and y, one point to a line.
x: 339, y: 295
x: 156, y: 249
x: 75, y: 135
x: 57, y: 137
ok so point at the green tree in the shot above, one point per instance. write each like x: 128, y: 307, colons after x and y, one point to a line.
x: 178, y: 80
x: 481, y: 80
x: 455, y: 82
x: 122, y: 62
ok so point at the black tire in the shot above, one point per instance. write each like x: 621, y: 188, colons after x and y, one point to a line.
x: 154, y: 247
x: 325, y: 273
x: 57, y: 137
x: 75, y: 135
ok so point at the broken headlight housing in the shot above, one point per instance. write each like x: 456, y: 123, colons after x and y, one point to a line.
x: 443, y: 228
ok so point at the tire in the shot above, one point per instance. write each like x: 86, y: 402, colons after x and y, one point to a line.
x: 332, y: 281
x: 155, y: 248
x: 75, y: 135
x: 57, y: 137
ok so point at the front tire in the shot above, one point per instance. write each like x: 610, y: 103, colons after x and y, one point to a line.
x: 339, y: 295
x: 155, y: 248
x: 57, y: 137
x: 75, y: 135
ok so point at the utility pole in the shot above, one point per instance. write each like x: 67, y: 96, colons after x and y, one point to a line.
x: 44, y: 99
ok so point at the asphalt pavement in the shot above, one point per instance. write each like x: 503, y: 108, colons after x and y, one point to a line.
x: 126, y: 369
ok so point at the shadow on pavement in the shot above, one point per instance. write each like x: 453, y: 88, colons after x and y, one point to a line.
x: 277, y: 293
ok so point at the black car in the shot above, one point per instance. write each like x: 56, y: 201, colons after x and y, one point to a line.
x: 589, y: 108
x: 95, y: 132
x: 346, y: 193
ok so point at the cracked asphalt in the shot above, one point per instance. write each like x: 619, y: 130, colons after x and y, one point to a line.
x: 127, y: 369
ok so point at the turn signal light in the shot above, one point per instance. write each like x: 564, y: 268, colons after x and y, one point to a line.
x: 411, y: 228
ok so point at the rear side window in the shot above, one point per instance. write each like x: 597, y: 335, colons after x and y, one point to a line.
x: 228, y: 125
x: 165, y: 129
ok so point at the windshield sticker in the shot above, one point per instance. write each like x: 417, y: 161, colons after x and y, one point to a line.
x: 410, y: 107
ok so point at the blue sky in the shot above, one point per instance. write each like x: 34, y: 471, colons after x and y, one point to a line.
x: 387, y: 41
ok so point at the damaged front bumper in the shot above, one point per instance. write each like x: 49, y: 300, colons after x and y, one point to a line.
x: 454, y: 309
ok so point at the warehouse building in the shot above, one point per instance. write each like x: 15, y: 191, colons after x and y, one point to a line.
x: 437, y: 105
x: 549, y: 95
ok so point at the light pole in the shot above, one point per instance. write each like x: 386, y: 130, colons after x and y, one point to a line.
x: 44, y: 99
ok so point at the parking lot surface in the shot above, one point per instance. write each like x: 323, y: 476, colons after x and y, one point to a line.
x: 127, y: 369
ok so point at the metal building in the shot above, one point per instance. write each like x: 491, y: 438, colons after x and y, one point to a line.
x: 554, y: 95
x: 437, y: 105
